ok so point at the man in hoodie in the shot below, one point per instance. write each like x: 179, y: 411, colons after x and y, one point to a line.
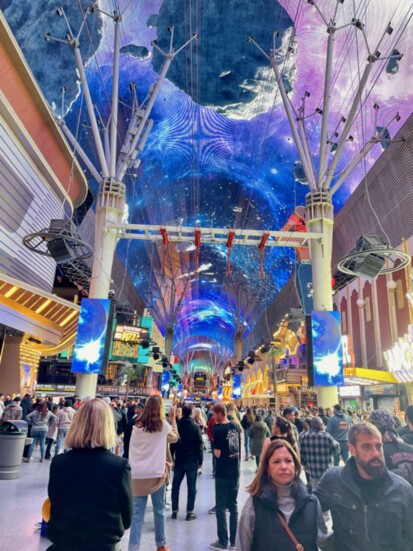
x: 407, y: 432
x: 338, y: 426
x: 64, y: 420
x: 13, y: 411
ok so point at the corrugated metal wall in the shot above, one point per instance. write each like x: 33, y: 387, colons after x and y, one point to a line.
x: 26, y: 206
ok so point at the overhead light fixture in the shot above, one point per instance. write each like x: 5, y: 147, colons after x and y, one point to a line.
x: 68, y: 318
x: 11, y: 291
x: 43, y: 306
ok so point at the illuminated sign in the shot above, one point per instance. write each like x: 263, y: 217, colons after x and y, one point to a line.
x: 327, y: 348
x: 91, y: 336
x: 351, y: 391
x: 348, y: 354
x: 125, y: 350
x: 130, y: 333
x: 399, y: 358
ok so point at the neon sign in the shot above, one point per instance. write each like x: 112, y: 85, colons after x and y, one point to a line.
x: 399, y: 358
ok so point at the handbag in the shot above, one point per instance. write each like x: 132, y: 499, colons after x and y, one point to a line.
x: 298, y: 545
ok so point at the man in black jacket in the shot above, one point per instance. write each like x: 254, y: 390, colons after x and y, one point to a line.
x: 189, y: 456
x: 370, y: 506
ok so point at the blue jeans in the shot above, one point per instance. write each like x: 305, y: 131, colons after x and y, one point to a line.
x: 38, y: 436
x: 226, y: 492
x: 139, y: 506
x: 190, y: 469
x: 344, y: 453
x: 60, y: 441
x: 246, y: 444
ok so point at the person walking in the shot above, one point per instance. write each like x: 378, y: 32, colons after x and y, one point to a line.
x: 13, y: 411
x: 26, y: 405
x: 100, y: 481
x: 150, y: 461
x: 51, y: 436
x: 407, y: 432
x: 227, y: 444
x: 317, y: 448
x: 284, y: 430
x: 371, y: 507
x: 246, y: 424
x: 39, y: 419
x: 338, y: 426
x: 279, y: 501
x: 189, y: 454
x: 257, y: 434
x: 64, y: 420
x: 397, y: 454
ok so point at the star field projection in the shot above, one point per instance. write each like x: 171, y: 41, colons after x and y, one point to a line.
x: 220, y: 152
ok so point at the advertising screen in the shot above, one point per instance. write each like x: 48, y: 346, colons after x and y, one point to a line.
x: 166, y: 377
x: 236, y: 386
x: 327, y: 348
x: 220, y: 393
x: 91, y: 336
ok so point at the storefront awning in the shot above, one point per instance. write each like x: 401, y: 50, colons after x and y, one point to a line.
x: 363, y: 376
x: 48, y: 319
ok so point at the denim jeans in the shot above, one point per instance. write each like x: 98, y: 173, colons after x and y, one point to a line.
x: 344, y: 453
x: 61, y: 435
x: 38, y: 436
x: 246, y: 444
x: 139, y: 506
x: 226, y: 492
x: 190, y: 469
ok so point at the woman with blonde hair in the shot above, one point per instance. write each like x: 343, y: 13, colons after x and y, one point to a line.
x: 100, y: 481
x: 280, y: 500
x: 151, y: 463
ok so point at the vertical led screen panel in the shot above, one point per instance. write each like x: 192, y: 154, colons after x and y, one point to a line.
x: 327, y: 349
x: 236, y: 386
x: 220, y: 393
x: 166, y: 377
x: 91, y: 336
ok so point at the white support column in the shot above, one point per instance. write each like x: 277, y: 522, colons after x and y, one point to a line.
x: 110, y: 207
x: 238, y: 344
x: 320, y: 218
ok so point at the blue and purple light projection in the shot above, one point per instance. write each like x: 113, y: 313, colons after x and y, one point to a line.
x: 220, y: 152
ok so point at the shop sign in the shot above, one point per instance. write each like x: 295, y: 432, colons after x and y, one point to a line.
x: 350, y: 391
x: 114, y: 389
x: 399, y: 358
x: 348, y: 354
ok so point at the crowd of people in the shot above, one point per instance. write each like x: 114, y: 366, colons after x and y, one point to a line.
x: 114, y: 454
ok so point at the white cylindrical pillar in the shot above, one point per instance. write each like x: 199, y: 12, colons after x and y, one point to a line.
x: 110, y: 208
x: 320, y: 219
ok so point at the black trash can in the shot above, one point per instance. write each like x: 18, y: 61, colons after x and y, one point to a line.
x: 13, y: 436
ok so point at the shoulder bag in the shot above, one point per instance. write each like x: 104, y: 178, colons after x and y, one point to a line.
x: 298, y: 546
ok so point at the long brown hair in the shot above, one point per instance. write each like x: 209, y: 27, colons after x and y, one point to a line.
x: 153, y: 415
x: 256, y: 486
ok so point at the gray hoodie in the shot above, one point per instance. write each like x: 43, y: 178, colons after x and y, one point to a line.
x: 338, y: 426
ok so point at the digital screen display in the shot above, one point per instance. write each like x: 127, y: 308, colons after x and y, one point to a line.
x: 236, y: 386
x: 327, y: 348
x: 130, y: 333
x: 166, y: 377
x: 220, y: 393
x: 180, y: 388
x: 91, y: 336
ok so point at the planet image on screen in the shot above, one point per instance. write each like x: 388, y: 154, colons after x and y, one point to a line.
x: 327, y: 349
x: 90, y: 341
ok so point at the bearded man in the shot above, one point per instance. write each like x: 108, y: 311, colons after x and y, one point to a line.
x: 370, y: 506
